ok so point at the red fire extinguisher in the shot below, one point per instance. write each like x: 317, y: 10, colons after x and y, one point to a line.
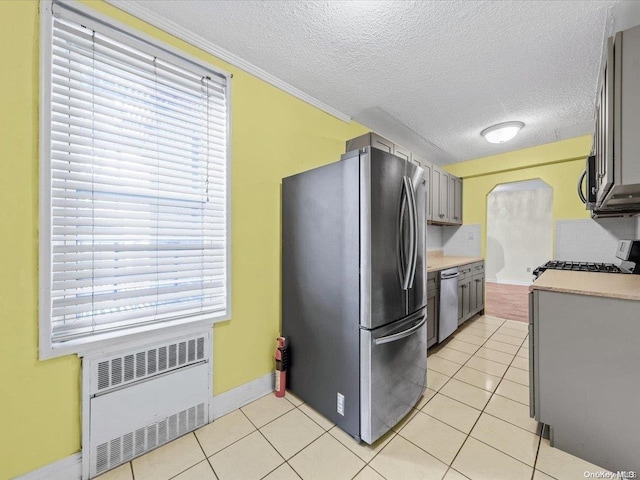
x: 282, y: 362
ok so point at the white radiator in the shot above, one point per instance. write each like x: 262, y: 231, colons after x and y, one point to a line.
x: 136, y: 400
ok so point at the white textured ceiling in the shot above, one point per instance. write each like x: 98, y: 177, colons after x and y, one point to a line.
x: 428, y: 74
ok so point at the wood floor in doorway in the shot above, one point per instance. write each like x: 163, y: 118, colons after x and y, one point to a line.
x: 507, y: 301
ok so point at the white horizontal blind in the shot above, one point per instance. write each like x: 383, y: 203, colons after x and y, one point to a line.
x: 138, y: 194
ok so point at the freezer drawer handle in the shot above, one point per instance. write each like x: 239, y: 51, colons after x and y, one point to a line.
x: 401, y: 335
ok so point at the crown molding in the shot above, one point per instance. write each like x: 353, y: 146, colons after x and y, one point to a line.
x: 197, y: 41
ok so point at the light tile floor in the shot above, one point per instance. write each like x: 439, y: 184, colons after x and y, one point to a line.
x: 473, y: 422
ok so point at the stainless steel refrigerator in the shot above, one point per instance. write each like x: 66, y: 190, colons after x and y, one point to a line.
x: 354, y: 291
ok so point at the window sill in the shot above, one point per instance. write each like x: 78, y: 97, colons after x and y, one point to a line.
x: 111, y: 342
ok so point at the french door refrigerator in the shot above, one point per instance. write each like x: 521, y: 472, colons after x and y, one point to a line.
x: 354, y: 291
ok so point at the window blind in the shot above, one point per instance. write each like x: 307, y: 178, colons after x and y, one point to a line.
x: 138, y: 186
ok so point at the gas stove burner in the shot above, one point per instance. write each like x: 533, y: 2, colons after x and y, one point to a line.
x: 577, y: 267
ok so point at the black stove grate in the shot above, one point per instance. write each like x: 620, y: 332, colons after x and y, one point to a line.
x: 577, y: 267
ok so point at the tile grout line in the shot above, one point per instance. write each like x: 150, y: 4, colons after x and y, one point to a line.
x: 287, y: 460
x: 367, y: 463
x: 417, y: 446
x: 272, y: 420
x: 535, y: 461
x: 325, y: 431
x: 358, y: 472
x: 200, y: 444
x: 244, y: 436
x: 481, y: 411
x: 284, y: 460
x: 313, y: 441
x: 449, y: 467
x: 309, y: 416
x: 232, y: 443
x: 502, y: 377
x: 437, y: 392
x: 206, y: 459
x: 505, y: 453
x: 212, y: 469
x: 193, y: 432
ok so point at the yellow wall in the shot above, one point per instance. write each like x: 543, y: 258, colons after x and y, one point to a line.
x: 559, y: 164
x: 273, y: 135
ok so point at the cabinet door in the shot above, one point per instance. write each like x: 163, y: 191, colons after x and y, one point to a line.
x: 435, y: 194
x: 468, y: 299
x: 444, y: 196
x: 432, y: 281
x: 369, y: 139
x: 460, y: 302
x: 478, y: 286
x: 440, y: 197
x: 402, y: 152
x: 426, y: 167
x: 455, y: 200
x: 381, y: 143
x: 432, y: 316
x: 534, y: 407
x: 606, y: 101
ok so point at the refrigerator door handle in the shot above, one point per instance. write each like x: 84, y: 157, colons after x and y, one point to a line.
x: 400, y: 335
x: 403, y: 267
x: 413, y: 216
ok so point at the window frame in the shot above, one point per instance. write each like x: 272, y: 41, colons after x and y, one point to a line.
x: 135, y: 335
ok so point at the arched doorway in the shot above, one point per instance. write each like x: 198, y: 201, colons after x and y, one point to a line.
x: 519, y: 238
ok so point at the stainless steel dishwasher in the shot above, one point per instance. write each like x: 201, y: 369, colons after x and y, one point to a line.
x: 448, y: 303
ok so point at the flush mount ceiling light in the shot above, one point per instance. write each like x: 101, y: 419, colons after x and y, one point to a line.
x: 502, y: 132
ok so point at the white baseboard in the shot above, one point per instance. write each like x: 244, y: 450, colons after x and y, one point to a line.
x: 69, y: 468
x: 240, y: 396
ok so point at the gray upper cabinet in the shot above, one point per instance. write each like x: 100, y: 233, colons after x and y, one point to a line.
x: 616, y: 143
x: 372, y: 139
x: 604, y: 124
x: 440, y: 196
x: 455, y: 200
x: 444, y: 191
x: 402, y: 152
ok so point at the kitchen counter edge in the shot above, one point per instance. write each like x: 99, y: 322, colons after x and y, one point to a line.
x: 435, y: 264
x: 611, y: 285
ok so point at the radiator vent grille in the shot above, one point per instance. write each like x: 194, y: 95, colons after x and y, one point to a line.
x: 117, y: 371
x: 118, y: 450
